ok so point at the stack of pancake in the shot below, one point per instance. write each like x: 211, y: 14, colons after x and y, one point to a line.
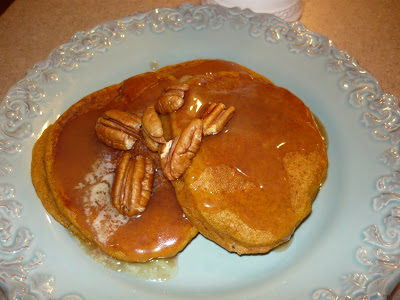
x: 247, y: 189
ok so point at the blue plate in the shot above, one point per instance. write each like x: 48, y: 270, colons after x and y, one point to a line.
x: 348, y: 247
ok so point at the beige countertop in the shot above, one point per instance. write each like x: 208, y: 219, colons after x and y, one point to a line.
x: 367, y: 30
x: 31, y: 29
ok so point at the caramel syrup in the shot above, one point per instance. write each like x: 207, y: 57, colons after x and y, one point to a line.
x: 269, y: 124
x: 84, y: 172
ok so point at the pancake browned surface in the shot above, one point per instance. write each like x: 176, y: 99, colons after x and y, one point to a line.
x: 252, y: 184
x: 76, y: 172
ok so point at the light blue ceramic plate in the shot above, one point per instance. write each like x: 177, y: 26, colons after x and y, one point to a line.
x: 348, y: 247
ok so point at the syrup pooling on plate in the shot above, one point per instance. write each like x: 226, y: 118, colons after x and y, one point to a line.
x: 161, y: 269
x: 322, y: 130
x: 84, y: 170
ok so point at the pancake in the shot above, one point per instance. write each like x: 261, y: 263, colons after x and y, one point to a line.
x: 73, y: 173
x: 39, y: 180
x: 250, y: 186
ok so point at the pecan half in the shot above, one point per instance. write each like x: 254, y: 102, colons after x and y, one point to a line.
x: 150, y: 143
x: 152, y: 129
x: 118, y: 129
x: 176, y: 155
x: 215, y: 118
x: 172, y: 98
x: 133, y: 181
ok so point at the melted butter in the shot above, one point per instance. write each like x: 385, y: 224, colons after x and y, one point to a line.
x: 284, y: 246
x: 161, y: 269
x: 154, y: 65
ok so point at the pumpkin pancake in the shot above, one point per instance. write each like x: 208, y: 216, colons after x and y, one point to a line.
x: 79, y: 170
x: 251, y: 185
x: 39, y: 180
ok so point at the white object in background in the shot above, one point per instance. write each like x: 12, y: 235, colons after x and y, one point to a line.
x: 288, y: 10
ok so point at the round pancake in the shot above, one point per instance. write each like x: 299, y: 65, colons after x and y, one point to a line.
x: 251, y: 185
x: 80, y: 171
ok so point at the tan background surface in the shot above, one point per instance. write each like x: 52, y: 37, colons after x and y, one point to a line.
x: 368, y: 30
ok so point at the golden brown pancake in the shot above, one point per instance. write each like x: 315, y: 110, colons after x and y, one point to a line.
x: 251, y: 185
x: 39, y: 180
x: 74, y: 176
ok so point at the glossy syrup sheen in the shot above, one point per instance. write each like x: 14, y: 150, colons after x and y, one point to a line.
x: 264, y: 128
x: 269, y: 123
x: 84, y: 169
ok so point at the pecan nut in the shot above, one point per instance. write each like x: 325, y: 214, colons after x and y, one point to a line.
x: 150, y: 143
x: 133, y: 182
x: 118, y: 129
x: 215, y: 118
x: 176, y: 155
x: 152, y: 129
x: 172, y: 98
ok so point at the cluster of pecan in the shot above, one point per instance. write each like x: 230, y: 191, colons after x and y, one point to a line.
x: 177, y: 154
x: 134, y: 175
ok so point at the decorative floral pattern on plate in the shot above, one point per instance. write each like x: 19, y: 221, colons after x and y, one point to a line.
x: 378, y: 254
